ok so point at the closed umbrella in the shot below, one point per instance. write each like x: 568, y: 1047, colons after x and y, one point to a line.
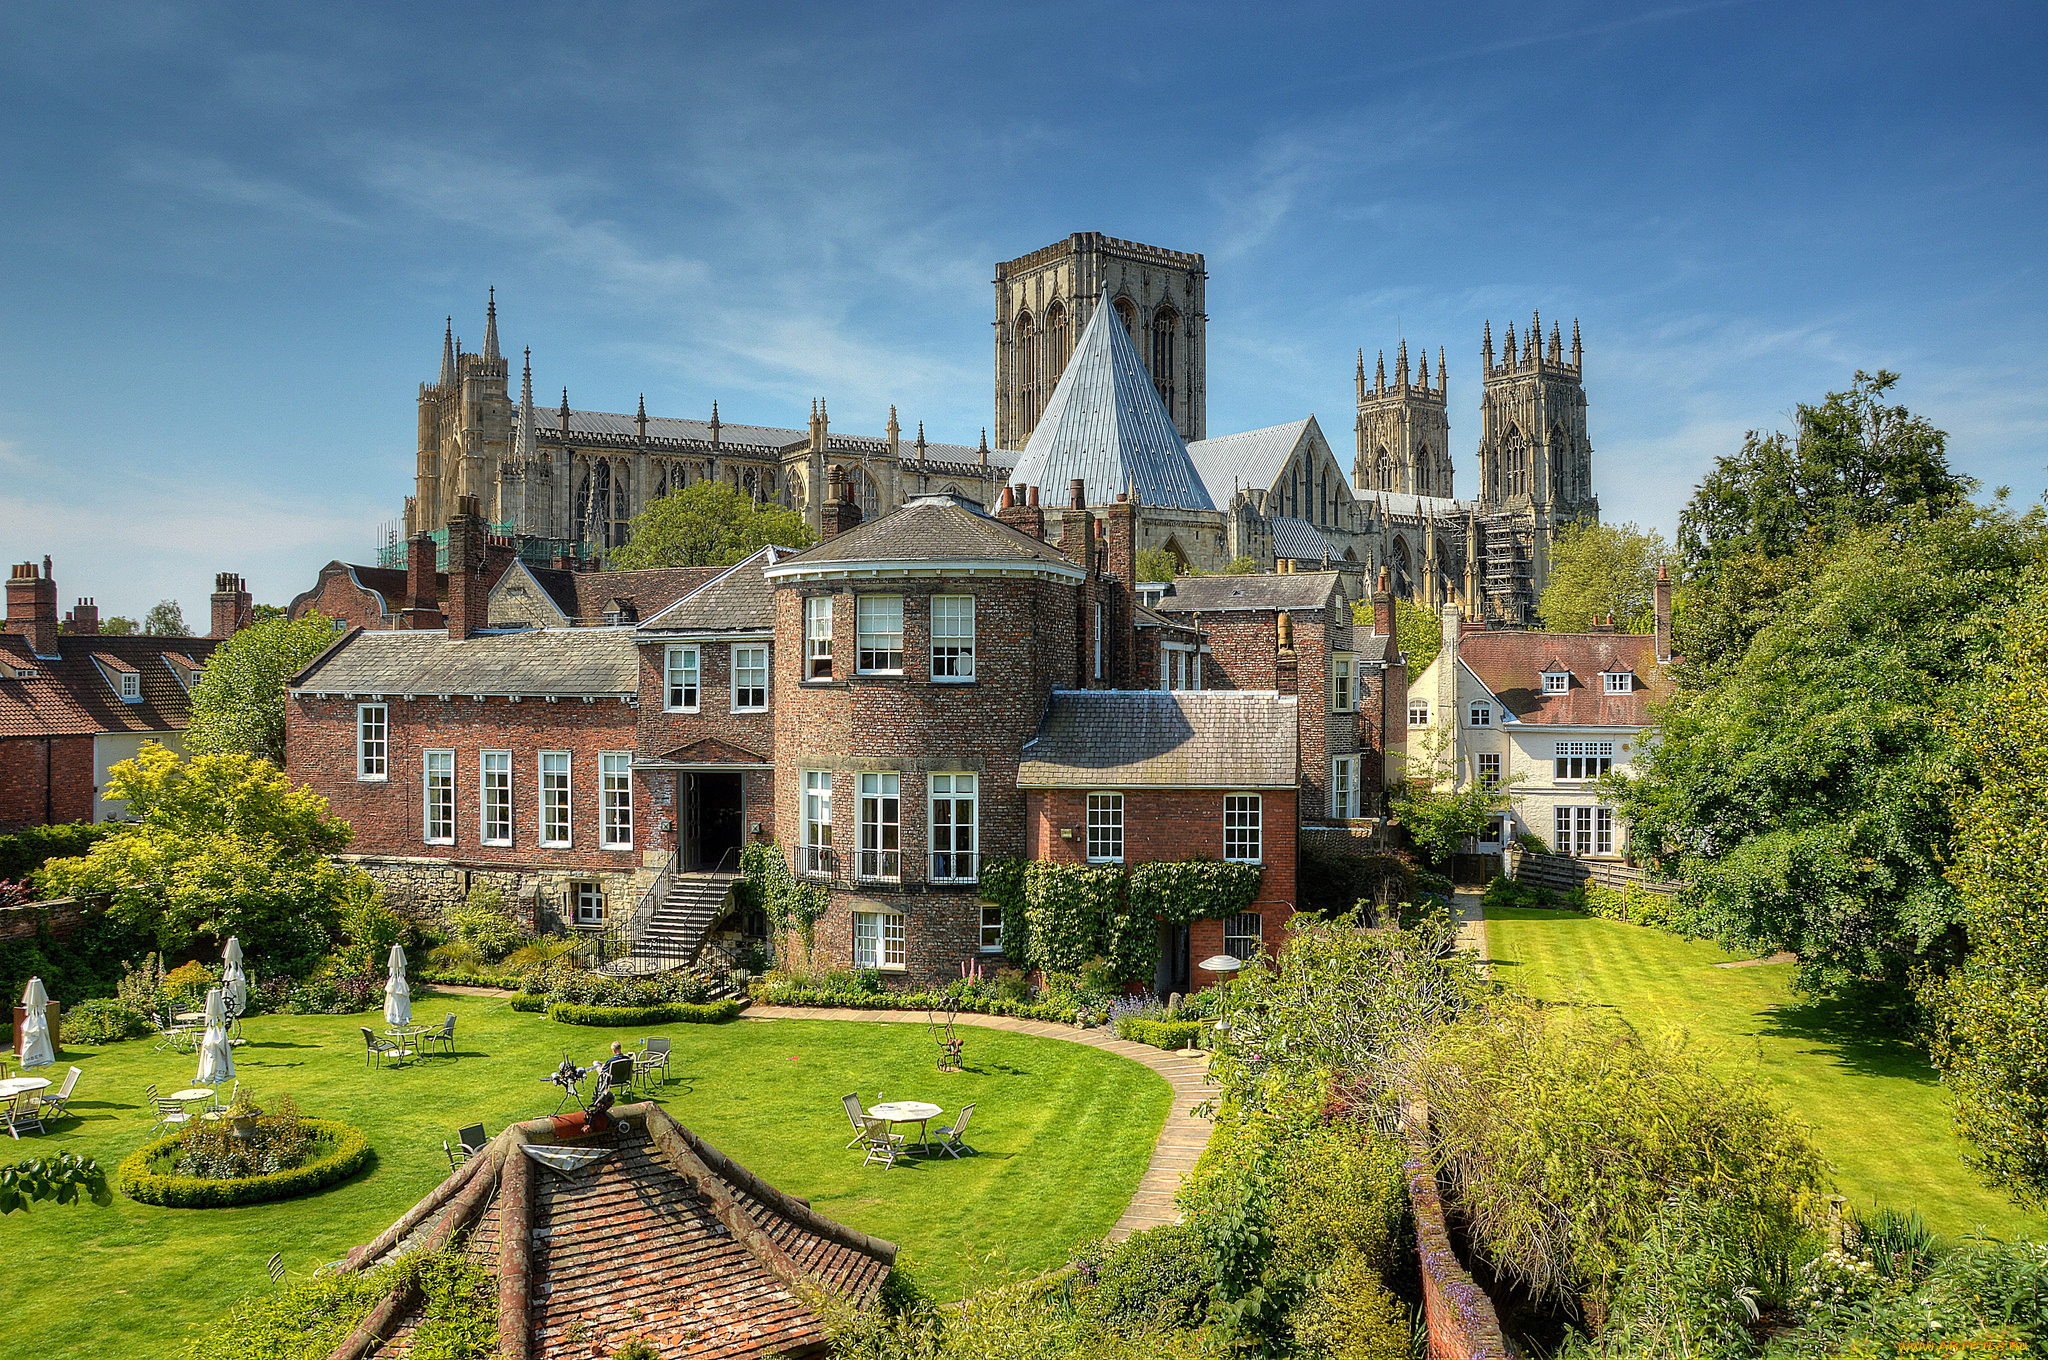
x: 216, y: 1055
x: 35, y: 1029
x: 234, y: 986
x: 397, y: 996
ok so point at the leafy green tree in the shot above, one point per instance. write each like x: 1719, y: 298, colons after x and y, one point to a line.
x: 119, y: 626
x: 1439, y: 809
x: 1990, y: 1015
x: 264, y: 613
x: 165, y: 619
x: 1242, y: 566
x: 1850, y: 462
x: 222, y: 845
x: 1800, y: 791
x: 707, y: 524
x: 238, y: 701
x: 62, y: 1178
x: 1600, y: 571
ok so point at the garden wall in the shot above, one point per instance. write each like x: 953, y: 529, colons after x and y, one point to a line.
x: 59, y: 916
x: 1458, y: 1317
x: 1562, y: 873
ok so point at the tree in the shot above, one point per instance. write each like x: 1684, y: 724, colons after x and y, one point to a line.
x: 1598, y: 571
x: 1157, y: 564
x: 165, y: 619
x: 264, y: 613
x: 1851, y: 462
x: 221, y: 845
x: 707, y: 524
x: 238, y: 702
x: 1439, y: 810
x: 1242, y: 566
x: 118, y: 626
x: 1801, y: 789
x: 1990, y: 1015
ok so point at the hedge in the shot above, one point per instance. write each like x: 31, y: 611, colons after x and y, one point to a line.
x: 914, y: 1001
x: 673, y: 1013
x: 351, y: 1154
x: 531, y: 1002
x: 506, y: 982
x: 1161, y: 1033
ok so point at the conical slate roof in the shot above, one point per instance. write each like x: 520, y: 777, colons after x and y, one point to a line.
x: 1106, y: 425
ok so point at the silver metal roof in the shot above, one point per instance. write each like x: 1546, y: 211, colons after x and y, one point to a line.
x: 1251, y: 459
x: 1106, y: 425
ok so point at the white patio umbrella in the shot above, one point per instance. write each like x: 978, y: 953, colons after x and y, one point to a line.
x: 233, y: 984
x: 35, y: 1029
x: 397, y: 996
x: 216, y: 1055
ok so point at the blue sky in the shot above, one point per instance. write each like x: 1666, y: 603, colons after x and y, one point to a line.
x: 231, y: 234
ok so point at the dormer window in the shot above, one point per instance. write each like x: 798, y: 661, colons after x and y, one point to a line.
x: 1619, y: 682
x: 1557, y: 682
x: 131, y: 687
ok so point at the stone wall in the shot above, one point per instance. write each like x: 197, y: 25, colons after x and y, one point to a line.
x: 1458, y: 1317
x: 59, y: 918
x: 543, y: 899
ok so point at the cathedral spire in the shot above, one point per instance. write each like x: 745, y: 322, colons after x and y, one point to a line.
x: 1361, y: 373
x: 1575, y: 343
x: 1442, y: 378
x: 920, y: 441
x: 640, y: 420
x: 1486, y: 344
x: 1532, y: 343
x: 714, y: 424
x: 1379, y: 383
x: 1556, y: 345
x: 1511, y: 354
x: 565, y: 410
x: 1401, y: 365
x: 1422, y: 375
x: 491, y: 355
x: 527, y: 449
x: 448, y: 354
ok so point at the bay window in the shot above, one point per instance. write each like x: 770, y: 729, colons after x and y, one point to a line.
x: 818, y: 637
x: 879, y: 634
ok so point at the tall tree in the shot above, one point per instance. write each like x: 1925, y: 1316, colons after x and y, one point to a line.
x: 238, y: 703
x: 1850, y: 462
x: 707, y: 524
x: 165, y: 619
x: 1600, y: 571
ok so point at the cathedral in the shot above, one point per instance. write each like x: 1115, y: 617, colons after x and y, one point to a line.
x: 1100, y: 376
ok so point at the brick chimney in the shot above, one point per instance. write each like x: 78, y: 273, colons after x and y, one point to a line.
x: 1663, y: 593
x: 468, y: 607
x: 84, y: 620
x: 1077, y: 529
x: 1383, y: 611
x: 32, y: 607
x: 232, y: 609
x: 1286, y: 666
x: 840, y: 511
x: 1022, y: 515
x: 422, y: 608
x: 1120, y: 535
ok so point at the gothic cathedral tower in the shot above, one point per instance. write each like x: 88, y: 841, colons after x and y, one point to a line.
x: 465, y: 430
x: 1044, y: 299
x: 1404, y: 431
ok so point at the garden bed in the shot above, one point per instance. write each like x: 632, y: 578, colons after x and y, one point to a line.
x: 339, y: 1151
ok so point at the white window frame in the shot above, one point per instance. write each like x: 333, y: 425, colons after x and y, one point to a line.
x: 1344, y: 787
x: 1105, y: 834
x: 818, y: 637
x: 953, y: 787
x: 1244, y: 835
x: 1618, y: 682
x: 494, y: 794
x: 953, y: 650
x: 588, y: 908
x: 131, y: 687
x: 991, y: 928
x: 816, y: 850
x: 437, y: 797
x: 1244, y: 935
x: 1101, y: 635
x: 872, y: 609
x: 1343, y: 683
x: 1583, y: 830
x: 1418, y: 712
x: 880, y: 862
x: 1479, y: 715
x: 1557, y: 682
x: 878, y: 940
x: 683, y: 680
x: 740, y: 649
x: 1574, y: 762
x: 615, y: 800
x: 547, y: 791
x: 380, y: 759
x: 1488, y: 767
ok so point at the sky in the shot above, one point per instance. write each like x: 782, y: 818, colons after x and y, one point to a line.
x: 231, y: 233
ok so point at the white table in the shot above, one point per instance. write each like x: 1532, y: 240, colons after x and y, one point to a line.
x: 191, y: 1093
x: 916, y: 1112
x: 21, y: 1086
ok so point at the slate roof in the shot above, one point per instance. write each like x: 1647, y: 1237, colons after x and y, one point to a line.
x: 1511, y: 665
x: 1106, y: 425
x: 1174, y: 739
x: 1271, y: 590
x: 70, y: 695
x: 736, y: 598
x: 1401, y: 505
x: 1251, y: 459
x: 1301, y: 540
x: 928, y: 529
x: 611, y: 425
x: 663, y: 1238
x: 599, y: 661
x: 583, y: 596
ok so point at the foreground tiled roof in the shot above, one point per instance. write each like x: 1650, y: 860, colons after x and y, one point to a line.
x: 71, y: 694
x: 663, y: 1238
x: 736, y: 598
x: 1186, y: 739
x: 928, y: 529
x: 584, y: 596
x: 598, y: 661
x: 1272, y: 590
x: 1511, y: 665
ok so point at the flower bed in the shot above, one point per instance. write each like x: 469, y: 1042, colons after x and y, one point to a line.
x: 791, y: 994
x: 340, y: 1150
x: 667, y: 1013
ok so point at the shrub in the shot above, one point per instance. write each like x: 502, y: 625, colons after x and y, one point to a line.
x: 104, y: 1020
x: 1161, y: 1033
x: 667, y: 1013
x: 1158, y: 1277
x: 27, y: 850
x: 1336, y: 875
x: 211, y: 1149
x: 1508, y: 892
x: 528, y: 1003
x: 185, y: 987
x: 340, y: 1150
x: 312, y: 1315
x: 580, y: 987
x: 1351, y: 1313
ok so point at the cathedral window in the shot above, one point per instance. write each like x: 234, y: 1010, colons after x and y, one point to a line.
x: 1059, y: 341
x: 1027, y: 369
x: 1127, y: 312
x: 1164, y: 323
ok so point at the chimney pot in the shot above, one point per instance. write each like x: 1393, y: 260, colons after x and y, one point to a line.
x: 1077, y: 494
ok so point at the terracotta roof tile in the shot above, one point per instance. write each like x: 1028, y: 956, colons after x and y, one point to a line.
x: 1511, y: 664
x: 70, y: 695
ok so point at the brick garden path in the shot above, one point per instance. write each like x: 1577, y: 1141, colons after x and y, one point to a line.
x: 1180, y: 1142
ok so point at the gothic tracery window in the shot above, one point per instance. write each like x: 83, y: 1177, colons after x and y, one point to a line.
x: 1516, y: 458
x: 1027, y: 369
x: 1165, y: 322
x: 1059, y: 341
x: 1127, y: 312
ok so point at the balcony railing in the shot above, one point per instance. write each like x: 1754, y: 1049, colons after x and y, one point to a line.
x: 885, y: 866
x: 955, y: 866
x: 881, y: 866
x: 820, y: 861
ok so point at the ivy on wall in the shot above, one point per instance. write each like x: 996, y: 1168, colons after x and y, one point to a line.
x: 1059, y: 917
x: 788, y: 902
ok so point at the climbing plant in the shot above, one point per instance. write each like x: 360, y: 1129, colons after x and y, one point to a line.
x: 1002, y: 882
x: 1058, y: 917
x: 787, y: 901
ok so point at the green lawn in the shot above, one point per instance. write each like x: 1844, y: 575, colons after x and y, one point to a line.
x: 1064, y: 1132
x: 1872, y: 1101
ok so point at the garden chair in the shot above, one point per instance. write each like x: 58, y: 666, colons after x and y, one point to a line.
x: 170, y: 1034
x: 20, y: 1113
x: 168, y: 1112
x: 473, y: 1139
x: 456, y: 1155
x: 380, y: 1049
x: 882, y: 1146
x: 216, y: 1107
x: 653, y: 1057
x: 276, y: 1270
x: 952, y: 1140
x: 855, y: 1116
x: 52, y: 1107
x: 443, y: 1035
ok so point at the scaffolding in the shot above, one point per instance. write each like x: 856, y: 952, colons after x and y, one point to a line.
x: 529, y: 547
x: 1508, y: 555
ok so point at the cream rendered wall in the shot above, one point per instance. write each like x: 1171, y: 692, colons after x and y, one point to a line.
x: 110, y: 749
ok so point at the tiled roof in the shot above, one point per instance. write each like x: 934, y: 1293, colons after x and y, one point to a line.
x: 534, y: 661
x: 1106, y: 425
x: 584, y: 596
x: 1301, y: 540
x: 70, y: 695
x: 1176, y: 739
x: 1511, y: 665
x: 1271, y: 590
x: 928, y: 529
x: 1251, y: 460
x: 663, y: 1238
x: 734, y: 598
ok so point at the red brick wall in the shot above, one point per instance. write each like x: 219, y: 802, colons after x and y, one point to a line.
x: 338, y: 597
x: 27, y: 762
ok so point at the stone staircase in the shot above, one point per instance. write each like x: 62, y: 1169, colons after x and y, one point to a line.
x: 676, y: 930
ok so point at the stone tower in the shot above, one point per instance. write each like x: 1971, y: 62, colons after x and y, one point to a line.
x: 1044, y: 300
x: 1404, y: 431
x: 465, y: 430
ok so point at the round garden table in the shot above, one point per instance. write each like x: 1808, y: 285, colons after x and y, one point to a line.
x: 21, y: 1086
x: 916, y: 1112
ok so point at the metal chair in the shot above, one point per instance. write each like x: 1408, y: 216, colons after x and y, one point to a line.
x: 443, y: 1035
x: 380, y: 1049
x: 950, y: 1141
x: 472, y: 1139
x: 53, y: 1107
x: 456, y: 1156
x: 169, y: 1113
x: 216, y: 1108
x: 855, y: 1116
x: 276, y: 1270
x: 170, y: 1034
x: 882, y: 1146
x: 653, y: 1057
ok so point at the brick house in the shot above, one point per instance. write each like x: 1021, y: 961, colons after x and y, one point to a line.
x: 528, y: 595
x: 75, y: 701
x: 1125, y: 777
